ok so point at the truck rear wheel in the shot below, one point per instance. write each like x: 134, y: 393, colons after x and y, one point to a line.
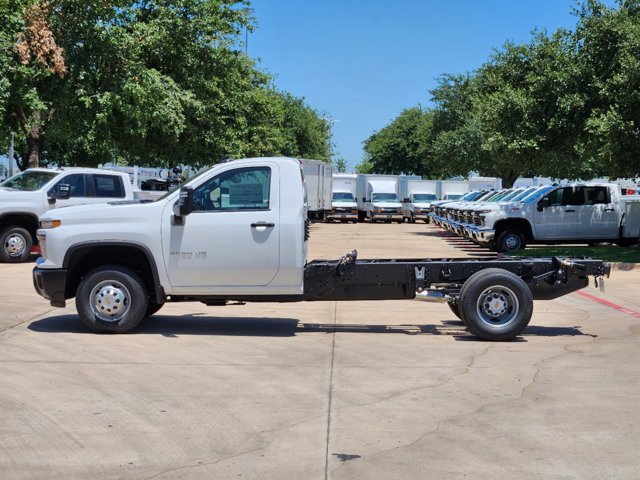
x: 496, y: 304
x: 15, y: 245
x: 111, y: 299
x: 455, y: 308
x: 510, y: 240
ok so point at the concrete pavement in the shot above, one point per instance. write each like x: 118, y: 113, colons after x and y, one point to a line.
x: 327, y: 390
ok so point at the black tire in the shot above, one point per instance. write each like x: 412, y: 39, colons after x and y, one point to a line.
x: 412, y: 219
x: 508, y: 316
x: 627, y: 242
x: 361, y: 216
x: 111, y: 299
x: 15, y: 245
x: 510, y: 240
x: 455, y: 308
x: 152, y: 308
x: 427, y: 220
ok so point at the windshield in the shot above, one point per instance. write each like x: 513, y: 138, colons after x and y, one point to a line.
x: 511, y: 195
x: 188, y: 182
x: 29, y: 181
x: 384, y: 197
x: 537, y: 193
x: 424, y: 197
x: 342, y: 196
x: 473, y: 195
x: 452, y: 196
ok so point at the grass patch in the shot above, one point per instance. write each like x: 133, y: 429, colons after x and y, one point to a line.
x: 608, y: 253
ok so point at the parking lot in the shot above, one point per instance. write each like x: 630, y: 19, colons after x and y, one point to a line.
x: 326, y: 390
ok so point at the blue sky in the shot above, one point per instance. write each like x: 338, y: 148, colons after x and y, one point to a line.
x: 363, y: 62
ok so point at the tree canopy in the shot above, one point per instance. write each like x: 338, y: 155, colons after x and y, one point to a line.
x: 564, y: 105
x: 152, y: 82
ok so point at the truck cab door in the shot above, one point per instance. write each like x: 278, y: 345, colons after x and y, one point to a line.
x: 599, y: 217
x: 232, y: 237
x: 559, y: 220
x: 78, y: 192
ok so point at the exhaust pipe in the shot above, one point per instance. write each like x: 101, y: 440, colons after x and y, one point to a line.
x: 436, y: 296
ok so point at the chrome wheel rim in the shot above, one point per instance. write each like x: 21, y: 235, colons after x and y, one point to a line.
x: 15, y: 245
x: 110, y: 301
x: 512, y: 242
x: 497, y: 306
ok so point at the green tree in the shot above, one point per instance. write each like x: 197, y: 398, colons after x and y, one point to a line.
x: 609, y: 55
x: 155, y: 83
x: 340, y: 165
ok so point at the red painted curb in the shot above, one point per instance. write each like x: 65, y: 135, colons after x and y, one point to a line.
x: 609, y: 304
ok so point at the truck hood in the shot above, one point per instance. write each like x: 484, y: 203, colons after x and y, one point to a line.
x: 127, y: 211
x: 386, y: 205
x: 422, y: 205
x: 16, y: 199
x: 344, y: 204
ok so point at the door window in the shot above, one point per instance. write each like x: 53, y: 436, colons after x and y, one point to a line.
x: 108, y: 186
x: 240, y: 189
x: 597, y: 195
x: 76, y: 182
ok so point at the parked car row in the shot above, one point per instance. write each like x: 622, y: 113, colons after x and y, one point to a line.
x: 509, y: 219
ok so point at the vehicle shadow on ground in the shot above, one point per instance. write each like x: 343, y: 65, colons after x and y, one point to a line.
x: 173, y: 326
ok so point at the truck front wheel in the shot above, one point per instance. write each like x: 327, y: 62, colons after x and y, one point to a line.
x: 509, y: 240
x: 15, y: 245
x: 495, y: 304
x: 111, y: 299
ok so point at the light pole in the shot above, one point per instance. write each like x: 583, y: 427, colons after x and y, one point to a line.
x: 11, y: 153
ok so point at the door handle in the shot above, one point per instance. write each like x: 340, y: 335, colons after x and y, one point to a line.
x: 263, y: 224
x: 570, y: 211
x: 609, y: 210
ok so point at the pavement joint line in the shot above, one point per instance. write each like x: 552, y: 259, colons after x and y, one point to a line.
x: 25, y: 321
x: 609, y: 304
x: 333, y: 351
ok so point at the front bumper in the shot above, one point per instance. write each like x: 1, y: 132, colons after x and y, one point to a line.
x: 342, y: 215
x: 391, y: 216
x: 481, y: 235
x: 50, y: 284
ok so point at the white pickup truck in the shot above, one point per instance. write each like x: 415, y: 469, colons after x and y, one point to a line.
x: 569, y: 213
x: 27, y: 195
x: 238, y: 233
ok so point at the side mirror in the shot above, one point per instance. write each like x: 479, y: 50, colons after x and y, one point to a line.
x: 406, y: 200
x: 544, y: 203
x: 184, y: 206
x: 364, y: 200
x: 62, y: 192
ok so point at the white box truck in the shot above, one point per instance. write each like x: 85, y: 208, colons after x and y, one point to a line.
x: 417, y: 196
x: 377, y: 198
x: 343, y: 199
x: 485, y: 183
x: 317, y: 180
x: 452, y: 189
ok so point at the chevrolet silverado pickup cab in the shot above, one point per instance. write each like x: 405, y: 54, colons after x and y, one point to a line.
x: 27, y: 195
x: 238, y: 233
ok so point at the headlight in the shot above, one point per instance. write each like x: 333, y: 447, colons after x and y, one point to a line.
x: 47, y: 224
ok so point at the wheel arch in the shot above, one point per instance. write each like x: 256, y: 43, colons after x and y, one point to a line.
x: 84, y: 257
x: 520, y: 223
x: 26, y: 220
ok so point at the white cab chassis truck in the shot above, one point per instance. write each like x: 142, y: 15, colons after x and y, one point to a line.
x: 343, y: 199
x: 27, y: 195
x: 238, y: 233
x: 377, y: 198
x: 417, y: 196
